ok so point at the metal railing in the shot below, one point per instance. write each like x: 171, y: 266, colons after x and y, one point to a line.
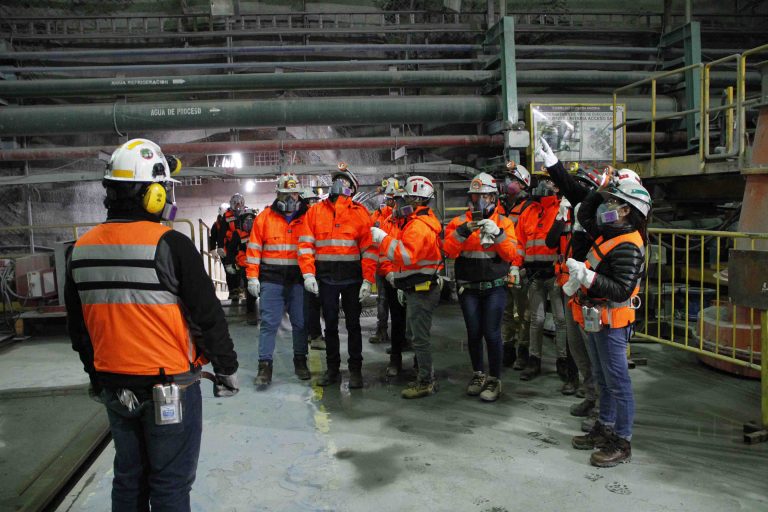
x: 735, y: 131
x: 213, y: 264
x: 685, y: 303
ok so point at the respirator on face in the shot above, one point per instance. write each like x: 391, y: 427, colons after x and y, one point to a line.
x: 608, y: 214
x: 402, y: 208
x: 340, y: 187
x: 286, y: 203
x: 483, y: 205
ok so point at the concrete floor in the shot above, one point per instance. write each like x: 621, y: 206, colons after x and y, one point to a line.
x: 298, y: 447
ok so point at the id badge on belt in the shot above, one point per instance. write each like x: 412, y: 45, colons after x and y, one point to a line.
x: 167, y: 399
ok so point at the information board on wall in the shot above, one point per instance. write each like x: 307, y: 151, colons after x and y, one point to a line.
x: 578, y: 132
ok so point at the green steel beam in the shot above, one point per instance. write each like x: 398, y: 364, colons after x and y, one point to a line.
x: 242, y: 82
x: 690, y: 35
x: 195, y: 115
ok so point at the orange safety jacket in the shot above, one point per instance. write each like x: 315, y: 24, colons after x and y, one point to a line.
x: 136, y: 325
x: 518, y: 208
x: 531, y: 230
x: 392, y: 226
x: 273, y: 247
x: 415, y: 250
x: 338, y: 244
x: 475, y: 263
x: 381, y: 215
x: 612, y: 314
x: 564, y: 251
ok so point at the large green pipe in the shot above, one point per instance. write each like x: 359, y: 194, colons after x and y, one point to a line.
x: 192, y: 115
x: 250, y: 82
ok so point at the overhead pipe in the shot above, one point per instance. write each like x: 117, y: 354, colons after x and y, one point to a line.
x: 189, y: 115
x: 195, y: 148
x: 251, y: 82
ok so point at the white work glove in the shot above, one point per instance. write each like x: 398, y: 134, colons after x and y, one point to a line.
x: 310, y: 284
x: 254, y: 286
x: 488, y: 227
x: 225, y: 385
x: 221, y: 253
x: 401, y: 297
x: 579, y: 271
x: 378, y: 234
x: 562, y: 213
x: 365, y: 291
x: 544, y: 152
x: 230, y: 269
x: 572, y: 286
x: 513, y: 276
x: 390, y: 277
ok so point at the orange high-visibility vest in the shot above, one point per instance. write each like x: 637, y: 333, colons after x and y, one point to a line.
x: 273, y: 246
x: 612, y: 314
x: 416, y: 249
x: 136, y: 325
x: 531, y: 230
x: 564, y: 251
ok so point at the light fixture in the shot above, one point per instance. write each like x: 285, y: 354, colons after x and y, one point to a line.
x: 237, y: 160
x: 250, y: 186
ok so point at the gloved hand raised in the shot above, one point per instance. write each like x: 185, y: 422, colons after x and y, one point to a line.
x: 488, y: 227
x: 580, y: 272
x: 310, y: 284
x: 562, y: 213
x: 544, y: 152
x: 378, y: 234
x: 572, y: 286
x: 225, y: 385
x: 221, y: 253
x: 390, y: 277
x: 401, y: 297
x: 254, y: 286
x: 365, y: 291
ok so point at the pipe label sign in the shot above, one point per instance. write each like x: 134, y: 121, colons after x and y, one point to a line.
x: 180, y: 111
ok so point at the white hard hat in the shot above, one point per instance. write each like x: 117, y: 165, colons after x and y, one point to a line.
x: 483, y: 183
x: 223, y: 207
x: 309, y: 193
x: 390, y: 186
x: 520, y: 173
x: 288, y: 183
x: 632, y: 193
x: 419, y: 186
x: 627, y: 174
x: 141, y: 161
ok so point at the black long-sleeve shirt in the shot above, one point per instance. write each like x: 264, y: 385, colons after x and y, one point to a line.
x: 620, y: 270
x: 180, y: 270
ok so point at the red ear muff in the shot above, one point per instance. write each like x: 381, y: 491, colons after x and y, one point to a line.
x: 154, y: 198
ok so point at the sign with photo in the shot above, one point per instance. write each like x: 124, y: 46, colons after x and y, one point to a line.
x: 578, y: 132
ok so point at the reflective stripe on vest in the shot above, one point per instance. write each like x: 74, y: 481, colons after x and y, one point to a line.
x: 135, y: 324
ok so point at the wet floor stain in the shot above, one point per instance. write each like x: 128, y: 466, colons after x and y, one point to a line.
x: 539, y: 406
x: 618, y: 488
x: 544, y: 438
x: 480, y: 501
x: 593, y: 477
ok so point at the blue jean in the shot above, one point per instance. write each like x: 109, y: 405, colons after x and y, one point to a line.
x: 350, y: 301
x: 539, y: 291
x: 154, y: 464
x: 483, y: 310
x: 276, y: 299
x: 608, y: 353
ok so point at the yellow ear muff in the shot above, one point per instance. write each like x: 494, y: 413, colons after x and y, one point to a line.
x: 154, y: 198
x: 174, y: 164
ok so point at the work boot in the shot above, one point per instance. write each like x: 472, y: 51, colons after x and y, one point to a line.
x: 589, y: 421
x: 510, y: 354
x: 597, y: 437
x: 252, y: 317
x: 616, y: 451
x: 477, y: 384
x: 571, y: 385
x: 264, y: 376
x: 532, y: 369
x: 395, y: 366
x: 381, y: 336
x: 317, y: 343
x: 522, y: 358
x: 331, y: 376
x: 491, y: 390
x: 583, y: 408
x: 582, y: 391
x: 355, y: 378
x: 300, y: 367
x: 419, y: 389
x: 561, y: 364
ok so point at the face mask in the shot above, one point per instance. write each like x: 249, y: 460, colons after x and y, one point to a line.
x: 169, y: 210
x: 606, y: 215
x: 543, y: 189
x: 485, y: 206
x: 339, y: 188
x: 402, y: 209
x: 247, y: 225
